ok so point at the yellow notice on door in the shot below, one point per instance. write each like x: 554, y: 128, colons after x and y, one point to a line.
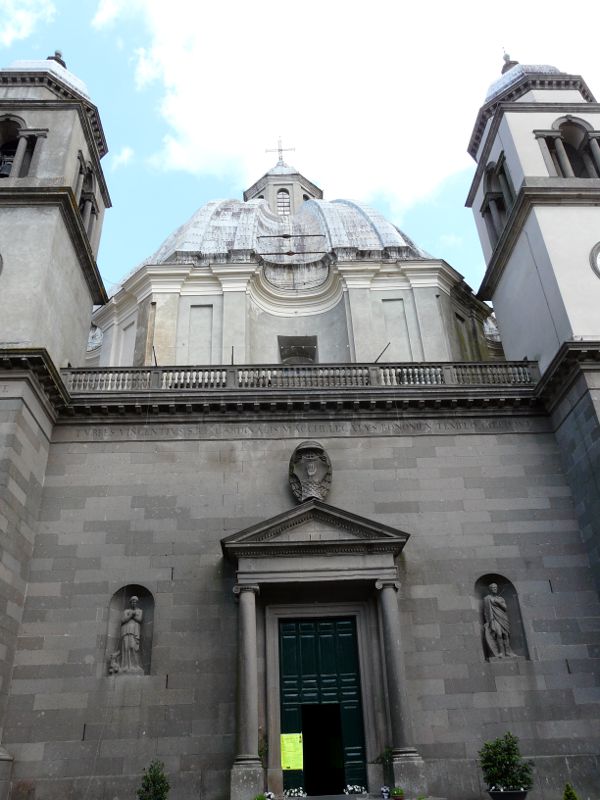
x: 291, y: 751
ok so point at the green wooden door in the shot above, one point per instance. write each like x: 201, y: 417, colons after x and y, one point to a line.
x: 319, y: 665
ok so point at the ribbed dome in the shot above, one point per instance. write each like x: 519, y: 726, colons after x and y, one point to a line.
x: 223, y: 228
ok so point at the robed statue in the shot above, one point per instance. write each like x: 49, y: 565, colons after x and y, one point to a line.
x: 126, y: 660
x: 496, y: 627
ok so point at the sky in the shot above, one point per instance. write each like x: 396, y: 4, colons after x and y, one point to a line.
x: 378, y: 99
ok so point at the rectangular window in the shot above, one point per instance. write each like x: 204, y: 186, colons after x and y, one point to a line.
x: 298, y: 349
x: 200, y: 331
x: 464, y: 338
x: 127, y: 345
x: 396, y: 329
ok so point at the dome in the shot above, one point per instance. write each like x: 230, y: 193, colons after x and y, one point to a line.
x: 53, y: 67
x: 223, y: 228
x: 514, y: 74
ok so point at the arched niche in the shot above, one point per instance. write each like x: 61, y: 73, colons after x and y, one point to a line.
x: 120, y: 604
x: 517, y: 642
x: 9, y: 140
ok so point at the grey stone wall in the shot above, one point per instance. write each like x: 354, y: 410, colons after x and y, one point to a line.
x: 577, y: 421
x: 148, y: 503
x: 24, y: 444
x: 34, y: 288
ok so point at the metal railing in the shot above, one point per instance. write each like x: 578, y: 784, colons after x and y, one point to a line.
x: 317, y: 376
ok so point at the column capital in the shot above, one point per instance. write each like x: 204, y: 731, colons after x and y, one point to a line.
x: 246, y: 587
x: 387, y: 583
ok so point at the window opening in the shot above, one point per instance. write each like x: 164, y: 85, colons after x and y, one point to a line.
x: 283, y: 202
x: 571, y: 149
x: 9, y: 141
x: 498, y: 198
x: 298, y: 349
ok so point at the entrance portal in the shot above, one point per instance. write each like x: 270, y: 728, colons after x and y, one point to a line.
x: 321, y: 698
x: 323, y: 751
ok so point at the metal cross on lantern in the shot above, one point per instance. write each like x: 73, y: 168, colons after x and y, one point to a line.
x: 280, y: 150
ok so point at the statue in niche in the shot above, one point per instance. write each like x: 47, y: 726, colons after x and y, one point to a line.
x: 310, y: 472
x: 496, y: 625
x: 126, y: 660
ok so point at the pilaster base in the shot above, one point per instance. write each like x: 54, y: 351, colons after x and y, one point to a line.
x: 409, y: 772
x: 6, y: 762
x: 247, y: 778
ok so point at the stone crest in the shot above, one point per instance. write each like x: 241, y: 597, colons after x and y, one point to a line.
x: 310, y: 472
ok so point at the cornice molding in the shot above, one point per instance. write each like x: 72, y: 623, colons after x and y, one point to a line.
x: 111, y: 404
x: 39, y: 367
x: 63, y: 92
x: 535, y: 192
x: 63, y: 198
x: 262, y: 540
x: 87, y: 130
x: 520, y: 108
x: 571, y: 360
x: 529, y: 82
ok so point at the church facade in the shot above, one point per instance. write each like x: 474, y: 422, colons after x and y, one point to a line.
x: 299, y: 511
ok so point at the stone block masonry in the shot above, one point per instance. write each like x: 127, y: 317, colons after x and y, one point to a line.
x: 134, y: 506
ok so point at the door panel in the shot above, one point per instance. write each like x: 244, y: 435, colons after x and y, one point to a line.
x: 319, y: 665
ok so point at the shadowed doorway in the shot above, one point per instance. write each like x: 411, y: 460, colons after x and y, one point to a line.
x: 323, y: 751
x: 321, y: 699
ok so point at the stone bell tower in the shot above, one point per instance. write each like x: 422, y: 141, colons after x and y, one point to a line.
x: 52, y: 201
x: 536, y: 202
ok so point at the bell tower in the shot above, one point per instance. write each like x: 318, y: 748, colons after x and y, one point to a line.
x: 536, y: 201
x: 52, y: 201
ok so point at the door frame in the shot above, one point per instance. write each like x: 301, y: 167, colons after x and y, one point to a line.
x: 369, y: 661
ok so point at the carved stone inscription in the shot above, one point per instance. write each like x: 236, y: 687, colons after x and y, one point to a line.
x: 276, y: 430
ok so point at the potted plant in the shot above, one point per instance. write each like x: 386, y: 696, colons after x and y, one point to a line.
x: 155, y: 784
x: 397, y: 792
x: 507, y: 775
x: 569, y: 793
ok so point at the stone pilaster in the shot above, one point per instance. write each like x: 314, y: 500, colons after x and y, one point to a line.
x: 247, y: 774
x: 407, y: 764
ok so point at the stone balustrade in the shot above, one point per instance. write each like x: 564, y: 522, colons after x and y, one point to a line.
x: 312, y: 376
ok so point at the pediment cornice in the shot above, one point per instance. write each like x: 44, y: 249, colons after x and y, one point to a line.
x: 272, y: 536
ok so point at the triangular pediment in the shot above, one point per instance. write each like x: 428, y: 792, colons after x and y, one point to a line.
x: 314, y: 527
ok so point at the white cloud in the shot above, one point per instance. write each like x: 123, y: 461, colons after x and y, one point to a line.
x: 147, y: 67
x: 107, y: 12
x: 451, y: 240
x: 122, y: 158
x: 19, y: 18
x: 379, y: 101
